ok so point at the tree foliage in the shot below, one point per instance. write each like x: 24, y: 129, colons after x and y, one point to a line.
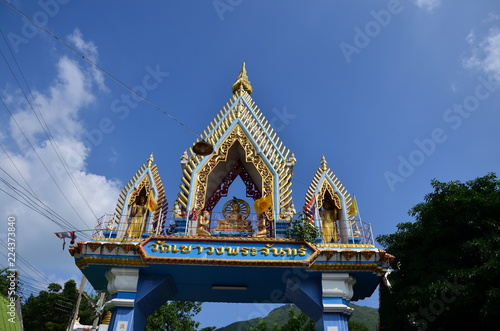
x: 51, y: 310
x: 299, y: 322
x: 176, y: 316
x: 449, y: 260
x: 6, y: 279
x: 302, y: 230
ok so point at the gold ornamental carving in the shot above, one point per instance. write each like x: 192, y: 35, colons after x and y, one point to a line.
x: 110, y: 246
x: 348, y: 254
x: 143, y: 183
x: 93, y: 245
x: 367, y: 254
x: 236, y: 135
x: 328, y: 253
x: 326, y: 187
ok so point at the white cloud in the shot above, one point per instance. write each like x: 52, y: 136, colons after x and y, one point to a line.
x: 58, y: 107
x: 453, y: 87
x: 428, y: 5
x: 492, y: 17
x: 485, y: 53
x: 61, y: 106
x: 89, y: 49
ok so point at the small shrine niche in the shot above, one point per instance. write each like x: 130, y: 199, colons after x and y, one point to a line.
x: 142, y: 206
x: 138, y: 213
x: 329, y: 211
x: 235, y: 220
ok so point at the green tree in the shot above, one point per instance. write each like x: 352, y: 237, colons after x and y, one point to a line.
x: 356, y: 326
x: 302, y: 230
x: 299, y: 322
x: 176, y: 316
x: 10, y: 284
x: 449, y: 261
x: 51, y: 310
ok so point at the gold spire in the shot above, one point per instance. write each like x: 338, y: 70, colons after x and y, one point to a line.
x: 324, y: 166
x: 150, y: 160
x: 242, y: 81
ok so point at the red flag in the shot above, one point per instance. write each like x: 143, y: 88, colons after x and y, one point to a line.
x: 310, y: 209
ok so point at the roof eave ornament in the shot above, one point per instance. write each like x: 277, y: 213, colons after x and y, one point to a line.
x: 242, y: 81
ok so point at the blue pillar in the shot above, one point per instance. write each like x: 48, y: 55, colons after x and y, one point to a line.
x: 122, y: 285
x: 337, y: 290
x: 153, y: 291
x: 134, y: 296
x: 324, y: 300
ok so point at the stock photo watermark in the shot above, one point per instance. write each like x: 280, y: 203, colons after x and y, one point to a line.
x: 223, y: 6
x: 454, y: 118
x: 125, y: 103
x: 437, y: 306
x: 11, y: 269
x: 364, y: 36
x: 48, y: 10
x: 121, y: 106
x: 281, y: 119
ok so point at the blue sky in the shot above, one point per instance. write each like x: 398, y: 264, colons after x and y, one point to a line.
x: 392, y: 93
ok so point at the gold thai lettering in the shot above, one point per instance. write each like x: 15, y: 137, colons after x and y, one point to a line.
x: 232, y: 251
x: 268, y: 249
x: 302, y: 250
x: 278, y: 252
x: 156, y: 245
x: 169, y: 248
x: 185, y: 249
x: 265, y: 250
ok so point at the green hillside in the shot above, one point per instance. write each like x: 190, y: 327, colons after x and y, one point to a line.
x: 364, y: 315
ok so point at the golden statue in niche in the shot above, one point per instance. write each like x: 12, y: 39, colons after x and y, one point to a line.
x: 236, y: 212
x: 329, y: 217
x: 203, y: 221
x: 261, y: 226
x: 137, y: 213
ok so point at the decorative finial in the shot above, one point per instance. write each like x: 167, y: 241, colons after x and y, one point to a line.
x: 292, y: 160
x: 324, y: 166
x: 107, y: 318
x: 242, y: 81
x: 150, y: 160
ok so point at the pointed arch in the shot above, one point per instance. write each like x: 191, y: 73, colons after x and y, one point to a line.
x: 217, y: 167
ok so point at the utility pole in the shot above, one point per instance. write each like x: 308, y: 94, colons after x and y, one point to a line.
x: 76, y: 308
x: 98, y: 310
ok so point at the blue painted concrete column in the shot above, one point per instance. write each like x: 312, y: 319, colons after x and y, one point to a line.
x: 122, y: 285
x: 337, y: 290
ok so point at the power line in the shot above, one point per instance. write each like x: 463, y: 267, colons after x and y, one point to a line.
x: 39, y: 157
x: 33, y: 205
x: 38, y: 203
x: 110, y: 76
x: 44, y: 126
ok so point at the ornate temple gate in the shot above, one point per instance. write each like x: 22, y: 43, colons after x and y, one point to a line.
x: 145, y: 254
